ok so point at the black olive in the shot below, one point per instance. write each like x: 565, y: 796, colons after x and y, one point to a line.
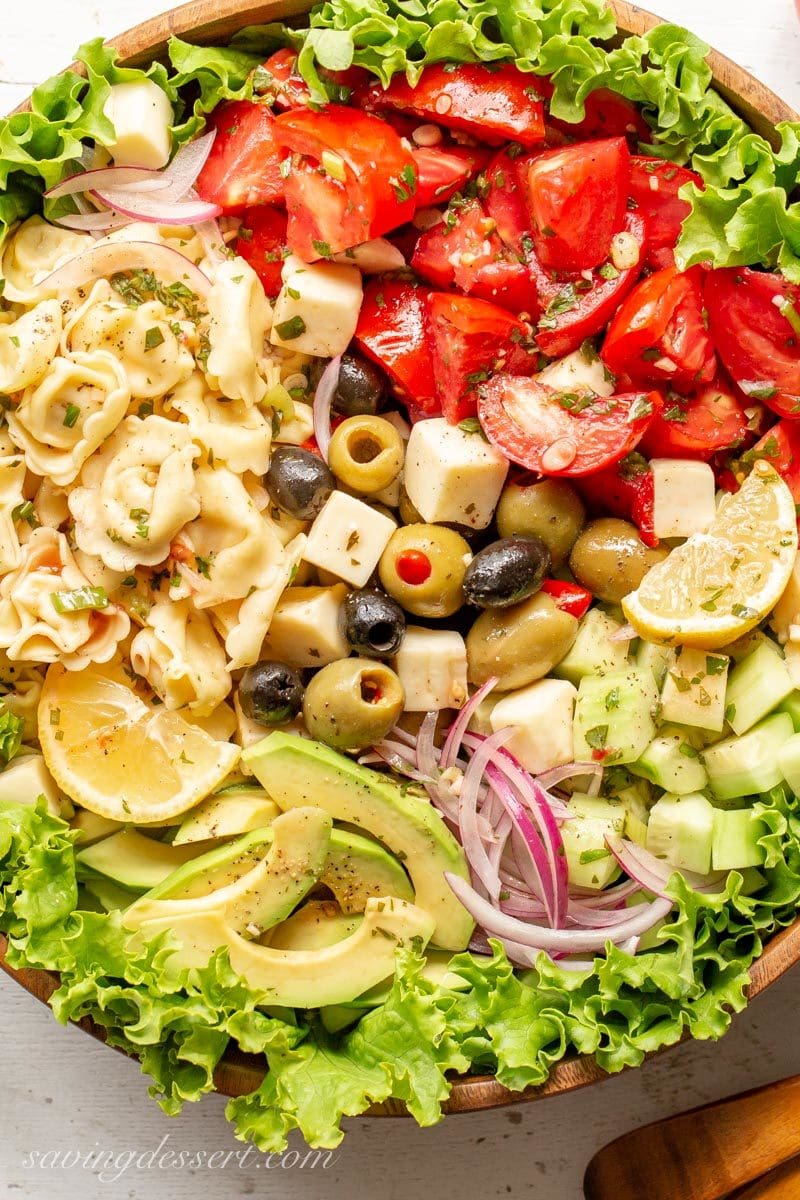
x: 361, y: 389
x: 298, y: 481
x: 270, y: 693
x: 506, y: 572
x: 372, y: 623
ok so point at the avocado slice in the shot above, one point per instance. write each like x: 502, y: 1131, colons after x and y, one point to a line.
x: 109, y: 895
x: 299, y: 978
x: 91, y: 827
x: 231, y: 811
x: 215, y: 869
x: 296, y: 771
x: 358, y: 868
x: 264, y: 895
x: 318, y: 924
x: 132, y: 860
x: 436, y: 970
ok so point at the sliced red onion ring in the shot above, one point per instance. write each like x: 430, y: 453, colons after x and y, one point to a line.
x: 110, y: 258
x: 532, y: 856
x: 92, y: 222
x: 626, y: 633
x: 455, y: 734
x: 652, y: 873
x: 182, y: 172
x: 323, y: 399
x: 156, y: 208
x: 573, y: 770
x: 477, y: 857
x: 567, y: 941
x: 108, y: 177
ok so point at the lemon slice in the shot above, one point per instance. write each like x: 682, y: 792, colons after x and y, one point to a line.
x: 120, y: 757
x: 718, y: 585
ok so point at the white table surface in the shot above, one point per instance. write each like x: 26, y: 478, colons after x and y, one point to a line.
x: 63, y: 1092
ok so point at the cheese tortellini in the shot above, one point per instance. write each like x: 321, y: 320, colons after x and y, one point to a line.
x: 240, y: 318
x: 136, y: 493
x: 28, y: 345
x: 228, y: 431
x: 12, y: 480
x: 62, y: 420
x: 31, y: 626
x: 178, y: 653
x: 33, y: 253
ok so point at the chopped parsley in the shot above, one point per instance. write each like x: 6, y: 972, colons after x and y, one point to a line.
x: 80, y: 600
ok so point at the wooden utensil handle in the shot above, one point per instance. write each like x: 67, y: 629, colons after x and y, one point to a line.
x: 781, y: 1184
x: 703, y: 1154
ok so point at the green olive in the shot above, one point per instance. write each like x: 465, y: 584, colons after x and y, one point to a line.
x: 423, y: 568
x: 610, y: 560
x: 352, y: 703
x: 521, y: 644
x: 366, y: 453
x: 551, y: 510
x: 408, y: 514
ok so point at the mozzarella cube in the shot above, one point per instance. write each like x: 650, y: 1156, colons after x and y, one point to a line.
x: 373, y: 258
x: 541, y: 717
x: 684, y: 497
x: 577, y: 372
x: 432, y: 666
x: 142, y: 116
x: 347, y: 538
x: 304, y: 630
x: 317, y: 308
x: 453, y: 475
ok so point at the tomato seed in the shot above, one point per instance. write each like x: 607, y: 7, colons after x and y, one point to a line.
x: 559, y: 455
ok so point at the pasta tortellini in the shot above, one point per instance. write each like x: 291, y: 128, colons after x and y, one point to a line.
x: 28, y: 345
x: 228, y: 431
x: 32, y: 627
x: 244, y: 624
x: 178, y: 653
x: 12, y: 479
x: 62, y: 420
x: 151, y: 346
x: 21, y: 689
x: 240, y: 318
x: 34, y: 251
x: 136, y: 493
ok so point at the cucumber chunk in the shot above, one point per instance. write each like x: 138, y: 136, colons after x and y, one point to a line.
x: 746, y: 765
x: 589, y: 861
x: 592, y: 652
x: 736, y: 835
x: 614, y: 716
x: 789, y: 762
x: 756, y: 686
x: 650, y: 657
x: 791, y: 705
x: 672, y: 763
x: 681, y: 830
x: 694, y: 689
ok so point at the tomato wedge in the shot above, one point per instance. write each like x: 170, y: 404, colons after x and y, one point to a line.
x: 606, y: 114
x: 505, y: 200
x: 577, y: 307
x: 625, y: 490
x: 655, y: 184
x: 562, y: 434
x: 243, y: 167
x: 755, y: 323
x: 292, y: 91
x: 471, y: 340
x: 444, y: 170
x: 699, y: 427
x: 780, y: 446
x: 495, y: 104
x: 351, y: 179
x: 577, y: 197
x: 393, y: 331
x: 659, y: 334
x: 261, y: 241
x: 465, y: 251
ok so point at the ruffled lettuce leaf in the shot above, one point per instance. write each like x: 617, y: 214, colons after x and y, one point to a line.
x: 515, y: 1024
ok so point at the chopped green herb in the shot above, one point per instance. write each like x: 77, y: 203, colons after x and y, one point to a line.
x: 293, y: 328
x: 71, y: 414
x: 153, y: 338
x: 590, y: 856
x: 80, y: 600
x: 597, y: 737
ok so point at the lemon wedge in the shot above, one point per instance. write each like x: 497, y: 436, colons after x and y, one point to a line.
x: 120, y: 757
x: 718, y: 585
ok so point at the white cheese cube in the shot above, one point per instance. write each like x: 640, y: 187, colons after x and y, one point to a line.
x: 26, y: 779
x: 684, y: 497
x: 541, y: 717
x: 432, y: 666
x: 373, y: 258
x: 304, y: 630
x: 575, y: 372
x: 347, y: 538
x: 452, y: 475
x: 142, y: 116
x: 317, y: 308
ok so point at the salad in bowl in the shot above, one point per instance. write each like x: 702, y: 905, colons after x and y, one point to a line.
x: 399, y: 591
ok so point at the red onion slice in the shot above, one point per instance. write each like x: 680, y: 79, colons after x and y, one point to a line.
x: 477, y: 857
x: 323, y: 399
x: 110, y: 258
x: 652, y: 873
x: 534, y: 859
x: 157, y: 209
x: 455, y: 734
x: 567, y: 941
x: 573, y: 770
x: 92, y: 222
x: 108, y: 177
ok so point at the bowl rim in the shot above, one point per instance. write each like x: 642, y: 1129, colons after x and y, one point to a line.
x: 207, y: 21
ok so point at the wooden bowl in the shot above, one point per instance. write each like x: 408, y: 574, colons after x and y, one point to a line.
x: 215, y: 21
